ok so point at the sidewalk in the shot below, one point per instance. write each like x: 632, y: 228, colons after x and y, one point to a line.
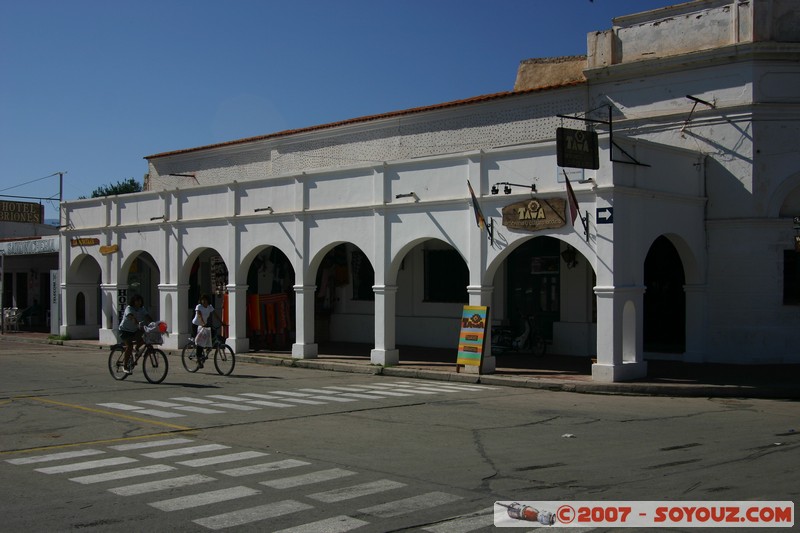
x: 551, y: 372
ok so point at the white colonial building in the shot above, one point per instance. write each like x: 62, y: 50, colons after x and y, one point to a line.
x: 364, y: 231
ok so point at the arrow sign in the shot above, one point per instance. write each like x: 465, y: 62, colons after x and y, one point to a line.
x: 605, y: 215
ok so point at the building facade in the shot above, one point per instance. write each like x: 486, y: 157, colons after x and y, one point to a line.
x: 682, y: 247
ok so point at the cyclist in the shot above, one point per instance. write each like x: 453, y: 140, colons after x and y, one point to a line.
x: 203, y: 314
x: 130, y: 331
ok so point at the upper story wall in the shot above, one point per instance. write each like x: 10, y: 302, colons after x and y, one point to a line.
x: 692, y: 27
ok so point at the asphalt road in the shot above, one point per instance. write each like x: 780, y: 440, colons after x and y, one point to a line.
x: 276, y: 448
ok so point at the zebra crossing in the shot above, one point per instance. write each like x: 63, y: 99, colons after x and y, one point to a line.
x: 215, y: 404
x: 181, y: 474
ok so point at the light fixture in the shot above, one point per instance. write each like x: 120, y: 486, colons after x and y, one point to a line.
x: 570, y: 256
x: 507, y: 187
x: 162, y: 217
x: 411, y: 194
x: 268, y: 209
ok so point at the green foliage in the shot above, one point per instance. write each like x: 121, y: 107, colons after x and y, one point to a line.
x: 121, y: 187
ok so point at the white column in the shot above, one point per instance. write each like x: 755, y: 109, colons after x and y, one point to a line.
x: 619, y: 339
x: 237, y: 318
x: 385, y: 352
x: 304, y: 346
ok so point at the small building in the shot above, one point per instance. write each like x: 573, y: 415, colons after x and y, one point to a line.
x: 639, y: 202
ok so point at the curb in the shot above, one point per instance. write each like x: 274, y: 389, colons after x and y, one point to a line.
x: 776, y: 392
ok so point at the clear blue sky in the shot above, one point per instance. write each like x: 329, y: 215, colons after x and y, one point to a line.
x: 91, y: 87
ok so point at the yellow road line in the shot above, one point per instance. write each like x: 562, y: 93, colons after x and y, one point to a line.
x: 116, y: 415
x: 90, y: 443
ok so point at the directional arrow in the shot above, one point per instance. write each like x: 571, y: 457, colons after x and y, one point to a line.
x: 605, y: 215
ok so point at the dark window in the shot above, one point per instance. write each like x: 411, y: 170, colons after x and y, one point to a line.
x: 446, y: 277
x: 363, y: 276
x: 791, y: 277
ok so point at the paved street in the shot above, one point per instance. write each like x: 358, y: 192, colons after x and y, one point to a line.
x: 273, y: 448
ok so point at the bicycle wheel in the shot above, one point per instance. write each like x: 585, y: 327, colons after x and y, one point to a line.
x: 189, y: 357
x: 538, y: 345
x: 115, y: 362
x: 224, y: 359
x: 155, y: 365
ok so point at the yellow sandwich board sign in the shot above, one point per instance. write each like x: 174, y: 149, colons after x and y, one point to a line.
x: 474, y: 319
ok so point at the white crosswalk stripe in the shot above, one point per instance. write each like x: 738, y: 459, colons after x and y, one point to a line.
x: 54, y: 457
x: 229, y: 458
x: 337, y: 524
x: 87, y: 465
x: 253, y: 514
x: 186, y: 451
x: 410, y: 505
x: 308, y: 479
x: 200, y: 410
x: 204, y: 498
x: 264, y: 467
x: 270, y: 404
x: 149, y: 444
x: 236, y: 406
x: 164, y: 484
x: 356, y: 491
x: 123, y: 474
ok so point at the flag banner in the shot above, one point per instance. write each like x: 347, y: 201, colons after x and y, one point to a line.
x: 479, y: 219
x: 573, y: 202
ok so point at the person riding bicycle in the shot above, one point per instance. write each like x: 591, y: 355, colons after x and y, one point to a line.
x: 130, y: 331
x: 203, y: 316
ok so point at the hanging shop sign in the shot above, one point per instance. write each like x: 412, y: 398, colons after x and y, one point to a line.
x: 85, y: 241
x: 536, y: 214
x: 110, y: 249
x: 21, y: 212
x: 577, y: 148
x: 473, y: 333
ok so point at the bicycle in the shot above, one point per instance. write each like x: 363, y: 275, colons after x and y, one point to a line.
x: 224, y: 356
x: 155, y: 365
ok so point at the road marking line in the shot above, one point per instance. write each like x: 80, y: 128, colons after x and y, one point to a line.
x: 87, y: 465
x: 270, y: 404
x: 122, y: 474
x: 200, y: 410
x: 253, y: 514
x: 464, y: 524
x: 158, y: 403
x: 204, y: 498
x: 349, y: 389
x: 192, y: 400
x: 160, y: 414
x: 263, y: 467
x: 334, y: 398
x: 307, y: 479
x: 410, y: 505
x: 362, y: 396
x: 94, y: 442
x: 337, y: 524
x: 227, y: 398
x: 223, y: 459
x: 121, y: 406
x: 186, y: 451
x: 149, y: 444
x: 164, y: 484
x: 317, y: 391
x: 302, y: 401
x: 116, y: 415
x: 356, y: 491
x: 53, y: 457
x: 237, y: 406
x: 290, y: 393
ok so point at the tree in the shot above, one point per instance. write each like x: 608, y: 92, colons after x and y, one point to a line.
x: 121, y: 187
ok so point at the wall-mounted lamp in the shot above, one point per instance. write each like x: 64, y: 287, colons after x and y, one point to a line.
x: 570, y: 257
x: 268, y: 209
x: 162, y: 217
x: 411, y: 194
x: 507, y: 187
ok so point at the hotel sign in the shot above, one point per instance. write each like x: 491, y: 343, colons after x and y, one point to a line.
x: 536, y: 214
x: 26, y: 212
x: 577, y: 148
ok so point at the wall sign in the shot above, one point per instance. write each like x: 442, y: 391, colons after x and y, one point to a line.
x: 21, y: 212
x: 473, y: 332
x: 85, y: 241
x: 577, y: 148
x: 535, y: 214
x: 604, y: 215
